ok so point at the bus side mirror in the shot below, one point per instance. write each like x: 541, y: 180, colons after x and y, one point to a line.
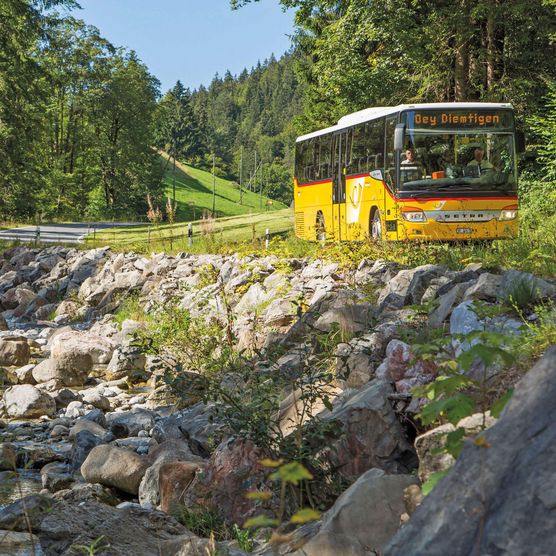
x: 399, y: 134
x: 520, y: 141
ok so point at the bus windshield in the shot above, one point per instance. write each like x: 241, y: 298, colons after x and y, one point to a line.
x: 455, y: 161
x: 458, y: 151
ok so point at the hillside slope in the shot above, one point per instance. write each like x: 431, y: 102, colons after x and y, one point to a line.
x: 194, y: 193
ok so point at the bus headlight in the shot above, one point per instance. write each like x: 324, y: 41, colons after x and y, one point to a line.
x: 412, y: 214
x: 508, y: 213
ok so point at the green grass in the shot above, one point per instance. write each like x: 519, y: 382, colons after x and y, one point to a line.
x: 173, y: 237
x: 194, y: 193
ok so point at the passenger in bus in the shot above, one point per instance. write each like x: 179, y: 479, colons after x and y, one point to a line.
x: 479, y: 161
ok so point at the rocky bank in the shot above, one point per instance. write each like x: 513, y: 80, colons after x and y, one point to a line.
x: 116, y: 451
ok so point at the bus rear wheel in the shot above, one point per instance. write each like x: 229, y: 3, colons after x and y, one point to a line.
x: 376, y: 225
x: 320, y: 227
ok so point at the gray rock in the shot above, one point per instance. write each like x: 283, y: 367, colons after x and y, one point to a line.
x: 14, y: 351
x: 369, y: 434
x: 515, y: 283
x: 96, y: 399
x: 500, y: 497
x: 351, y: 319
x: 357, y: 360
x: 197, y: 425
x: 364, y: 517
x: 410, y: 285
x: 127, y: 362
x: 25, y: 513
x: 83, y: 424
x: 56, y: 476
x: 115, y: 467
x: 70, y: 369
x: 129, y: 531
x: 27, y: 402
x: 83, y: 442
x: 169, y: 451
x: 8, y: 457
x: 464, y: 320
x: 129, y: 423
x: 25, y: 374
x: 485, y: 288
x: 445, y: 303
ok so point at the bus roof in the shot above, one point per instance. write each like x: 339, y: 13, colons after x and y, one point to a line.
x: 381, y: 111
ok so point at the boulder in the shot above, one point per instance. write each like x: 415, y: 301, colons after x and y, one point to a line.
x: 96, y: 399
x: 127, y: 362
x: 167, y: 452
x: 350, y: 319
x: 70, y: 369
x: 174, y: 480
x: 357, y: 360
x: 56, y: 476
x: 14, y: 351
x: 115, y: 467
x: 500, y: 497
x: 233, y: 469
x: 515, y: 284
x: 25, y: 374
x: 27, y: 402
x: 197, y: 425
x: 122, y: 532
x: 364, y: 517
x: 408, y: 286
x: 485, y: 288
x: 98, y: 348
x: 368, y: 433
x: 400, y: 367
x: 86, y: 492
x: 8, y: 457
x: 130, y: 423
x: 83, y: 424
x: 83, y: 442
x: 25, y: 513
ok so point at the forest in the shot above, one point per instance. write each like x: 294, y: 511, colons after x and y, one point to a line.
x: 81, y: 119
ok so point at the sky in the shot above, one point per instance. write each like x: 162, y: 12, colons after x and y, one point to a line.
x: 192, y: 40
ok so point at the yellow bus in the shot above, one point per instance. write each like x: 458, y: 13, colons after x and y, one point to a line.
x: 439, y: 171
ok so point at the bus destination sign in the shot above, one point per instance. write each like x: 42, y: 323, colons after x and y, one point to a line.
x: 457, y: 119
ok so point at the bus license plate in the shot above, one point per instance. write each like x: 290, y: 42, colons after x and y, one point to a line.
x: 464, y: 230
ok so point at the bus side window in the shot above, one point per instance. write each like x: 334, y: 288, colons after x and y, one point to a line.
x: 324, y: 162
x: 359, y: 151
x: 376, y: 145
x: 347, y: 162
x: 309, y: 154
x: 300, y: 162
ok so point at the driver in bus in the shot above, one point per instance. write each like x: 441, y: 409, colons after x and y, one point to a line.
x: 411, y: 163
x: 410, y: 157
x: 479, y: 161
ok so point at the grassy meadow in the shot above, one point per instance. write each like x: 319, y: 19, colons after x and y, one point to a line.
x: 194, y: 193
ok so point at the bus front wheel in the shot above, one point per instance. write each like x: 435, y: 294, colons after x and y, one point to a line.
x: 376, y: 225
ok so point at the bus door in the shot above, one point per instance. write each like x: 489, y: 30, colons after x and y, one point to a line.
x: 391, y: 162
x: 339, y: 186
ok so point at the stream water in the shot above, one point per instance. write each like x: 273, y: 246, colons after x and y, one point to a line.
x: 12, y: 487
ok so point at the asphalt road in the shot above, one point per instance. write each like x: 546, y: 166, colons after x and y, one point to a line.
x: 57, y: 233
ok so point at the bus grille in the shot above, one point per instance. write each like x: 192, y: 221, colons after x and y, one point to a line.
x: 300, y: 224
